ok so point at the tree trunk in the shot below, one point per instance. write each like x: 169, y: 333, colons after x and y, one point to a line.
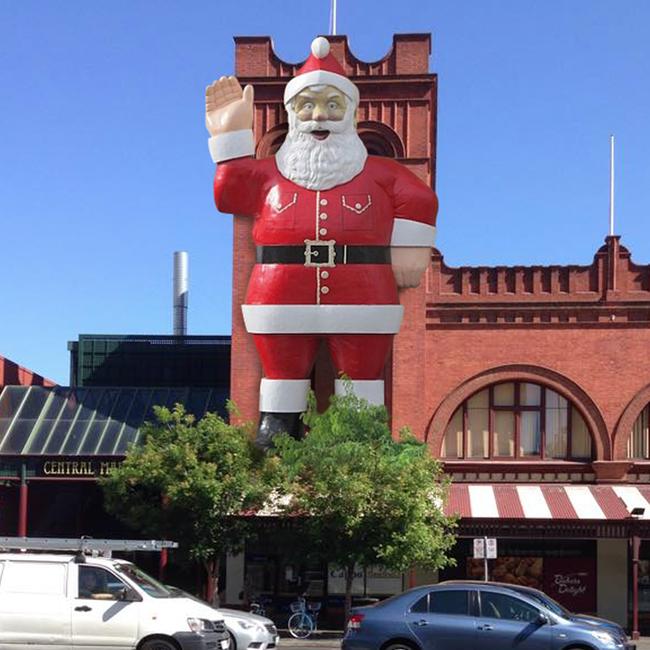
x: 349, y: 577
x: 212, y: 582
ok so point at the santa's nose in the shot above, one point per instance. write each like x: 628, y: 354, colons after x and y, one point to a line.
x: 319, y: 114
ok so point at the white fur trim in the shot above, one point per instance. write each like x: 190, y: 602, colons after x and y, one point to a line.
x: 320, y: 47
x: 322, y: 319
x: 284, y: 395
x: 317, y: 78
x: 412, y: 233
x: 233, y: 144
x: 372, y: 390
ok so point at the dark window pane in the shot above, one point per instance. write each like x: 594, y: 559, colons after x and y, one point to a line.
x: 15, y: 441
x: 176, y: 396
x: 421, y: 606
x: 197, y: 401
x: 448, y: 602
x: 136, y: 414
x: 93, y: 436
x: 33, y: 405
x: 12, y: 397
x: 159, y: 398
x: 494, y: 605
x: 123, y: 405
x: 109, y: 439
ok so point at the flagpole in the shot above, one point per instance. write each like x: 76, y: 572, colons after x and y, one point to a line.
x: 611, y: 185
x: 333, y: 18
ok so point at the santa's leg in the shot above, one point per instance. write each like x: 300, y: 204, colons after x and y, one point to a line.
x: 287, y: 361
x: 361, y: 358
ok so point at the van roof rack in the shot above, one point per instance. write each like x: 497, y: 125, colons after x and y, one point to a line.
x: 84, y: 545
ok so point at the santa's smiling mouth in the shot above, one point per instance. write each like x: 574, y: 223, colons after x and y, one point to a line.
x: 320, y: 135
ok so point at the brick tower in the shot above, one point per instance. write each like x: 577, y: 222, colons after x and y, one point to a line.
x: 396, y: 118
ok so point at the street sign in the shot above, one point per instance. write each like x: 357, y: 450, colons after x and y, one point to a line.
x: 485, y: 548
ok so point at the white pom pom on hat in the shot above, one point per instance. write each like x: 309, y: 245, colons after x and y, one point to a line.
x: 321, y: 68
x: 320, y: 47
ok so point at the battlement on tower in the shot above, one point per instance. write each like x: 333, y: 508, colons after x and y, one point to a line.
x: 409, y: 55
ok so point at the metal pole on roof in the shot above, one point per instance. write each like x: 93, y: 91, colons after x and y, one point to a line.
x: 181, y: 292
x: 611, y: 185
x: 333, y: 18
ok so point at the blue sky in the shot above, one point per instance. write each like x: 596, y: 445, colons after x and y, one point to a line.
x: 105, y: 169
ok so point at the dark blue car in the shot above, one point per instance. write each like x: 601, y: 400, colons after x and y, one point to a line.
x: 468, y: 615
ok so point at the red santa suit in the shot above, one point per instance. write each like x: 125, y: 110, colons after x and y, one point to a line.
x: 338, y: 285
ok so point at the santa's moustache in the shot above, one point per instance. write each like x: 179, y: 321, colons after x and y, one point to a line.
x: 321, y: 164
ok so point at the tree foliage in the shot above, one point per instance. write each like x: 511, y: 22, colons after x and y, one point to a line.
x: 365, y: 498
x: 190, y: 481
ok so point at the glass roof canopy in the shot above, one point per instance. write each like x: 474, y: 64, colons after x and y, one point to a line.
x: 60, y: 421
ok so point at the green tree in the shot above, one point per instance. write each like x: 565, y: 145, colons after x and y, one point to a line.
x: 191, y: 481
x: 364, y: 498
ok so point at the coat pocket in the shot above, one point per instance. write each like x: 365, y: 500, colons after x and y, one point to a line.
x: 282, y: 210
x: 357, y: 212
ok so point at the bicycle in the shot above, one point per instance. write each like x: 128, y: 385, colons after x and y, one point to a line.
x: 304, y: 620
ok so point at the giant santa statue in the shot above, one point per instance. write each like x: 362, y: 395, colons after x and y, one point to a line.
x: 337, y: 232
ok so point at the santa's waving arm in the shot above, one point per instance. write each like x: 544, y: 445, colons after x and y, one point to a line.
x: 414, y: 228
x: 229, y: 120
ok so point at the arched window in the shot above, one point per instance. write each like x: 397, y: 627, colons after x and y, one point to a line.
x: 515, y: 420
x: 638, y: 445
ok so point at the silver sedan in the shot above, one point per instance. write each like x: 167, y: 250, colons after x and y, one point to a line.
x: 250, y: 631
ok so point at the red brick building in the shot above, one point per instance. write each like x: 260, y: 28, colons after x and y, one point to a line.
x: 533, y: 383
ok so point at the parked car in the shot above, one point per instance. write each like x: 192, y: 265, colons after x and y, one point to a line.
x: 250, y: 631
x: 558, y: 609
x: 247, y: 631
x: 464, y: 614
x: 67, y: 601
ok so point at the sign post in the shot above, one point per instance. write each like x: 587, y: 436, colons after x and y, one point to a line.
x: 485, y: 548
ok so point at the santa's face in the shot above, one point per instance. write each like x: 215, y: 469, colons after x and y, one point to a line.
x: 322, y: 148
x: 320, y: 105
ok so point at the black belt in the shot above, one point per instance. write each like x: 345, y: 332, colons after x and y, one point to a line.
x: 323, y: 254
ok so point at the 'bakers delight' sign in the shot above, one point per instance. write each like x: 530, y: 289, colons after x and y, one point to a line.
x: 572, y: 582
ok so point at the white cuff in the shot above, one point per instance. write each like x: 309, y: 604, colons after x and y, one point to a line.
x: 233, y: 144
x: 412, y: 233
x: 372, y: 390
x: 284, y: 395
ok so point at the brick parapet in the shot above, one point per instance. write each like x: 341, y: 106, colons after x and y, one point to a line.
x: 613, y: 291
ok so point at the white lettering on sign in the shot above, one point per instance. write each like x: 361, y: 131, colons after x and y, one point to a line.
x: 571, y: 584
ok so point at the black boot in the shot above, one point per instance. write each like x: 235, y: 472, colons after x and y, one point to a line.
x: 273, y: 424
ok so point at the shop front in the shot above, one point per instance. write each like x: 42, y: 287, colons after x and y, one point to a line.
x: 577, y: 547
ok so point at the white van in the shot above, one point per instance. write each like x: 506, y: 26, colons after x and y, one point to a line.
x: 50, y: 601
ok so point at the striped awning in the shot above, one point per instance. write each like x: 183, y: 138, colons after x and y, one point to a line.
x: 589, y: 502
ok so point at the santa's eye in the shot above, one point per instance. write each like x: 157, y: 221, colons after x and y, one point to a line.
x: 307, y: 106
x: 333, y: 106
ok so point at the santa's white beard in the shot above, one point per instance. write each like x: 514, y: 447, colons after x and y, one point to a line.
x: 321, y: 164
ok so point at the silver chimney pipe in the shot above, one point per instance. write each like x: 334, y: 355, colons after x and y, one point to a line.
x: 181, y: 291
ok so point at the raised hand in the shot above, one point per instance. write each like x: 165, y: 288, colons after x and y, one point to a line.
x: 227, y: 107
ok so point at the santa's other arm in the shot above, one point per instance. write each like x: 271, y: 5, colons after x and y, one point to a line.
x: 414, y: 226
x: 229, y: 120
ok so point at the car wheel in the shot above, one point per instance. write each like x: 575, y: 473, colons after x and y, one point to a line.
x: 399, y: 646
x: 233, y: 643
x: 159, y: 644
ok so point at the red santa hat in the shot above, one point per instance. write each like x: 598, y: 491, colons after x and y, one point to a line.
x: 321, y: 68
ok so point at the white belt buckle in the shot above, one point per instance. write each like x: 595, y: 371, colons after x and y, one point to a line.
x: 311, y: 254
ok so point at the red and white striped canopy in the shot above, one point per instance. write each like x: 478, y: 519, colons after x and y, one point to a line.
x: 501, y: 501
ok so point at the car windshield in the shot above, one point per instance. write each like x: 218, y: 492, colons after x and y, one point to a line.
x: 143, y: 580
x: 548, y: 602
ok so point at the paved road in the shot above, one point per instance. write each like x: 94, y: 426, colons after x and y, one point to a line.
x: 335, y: 644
